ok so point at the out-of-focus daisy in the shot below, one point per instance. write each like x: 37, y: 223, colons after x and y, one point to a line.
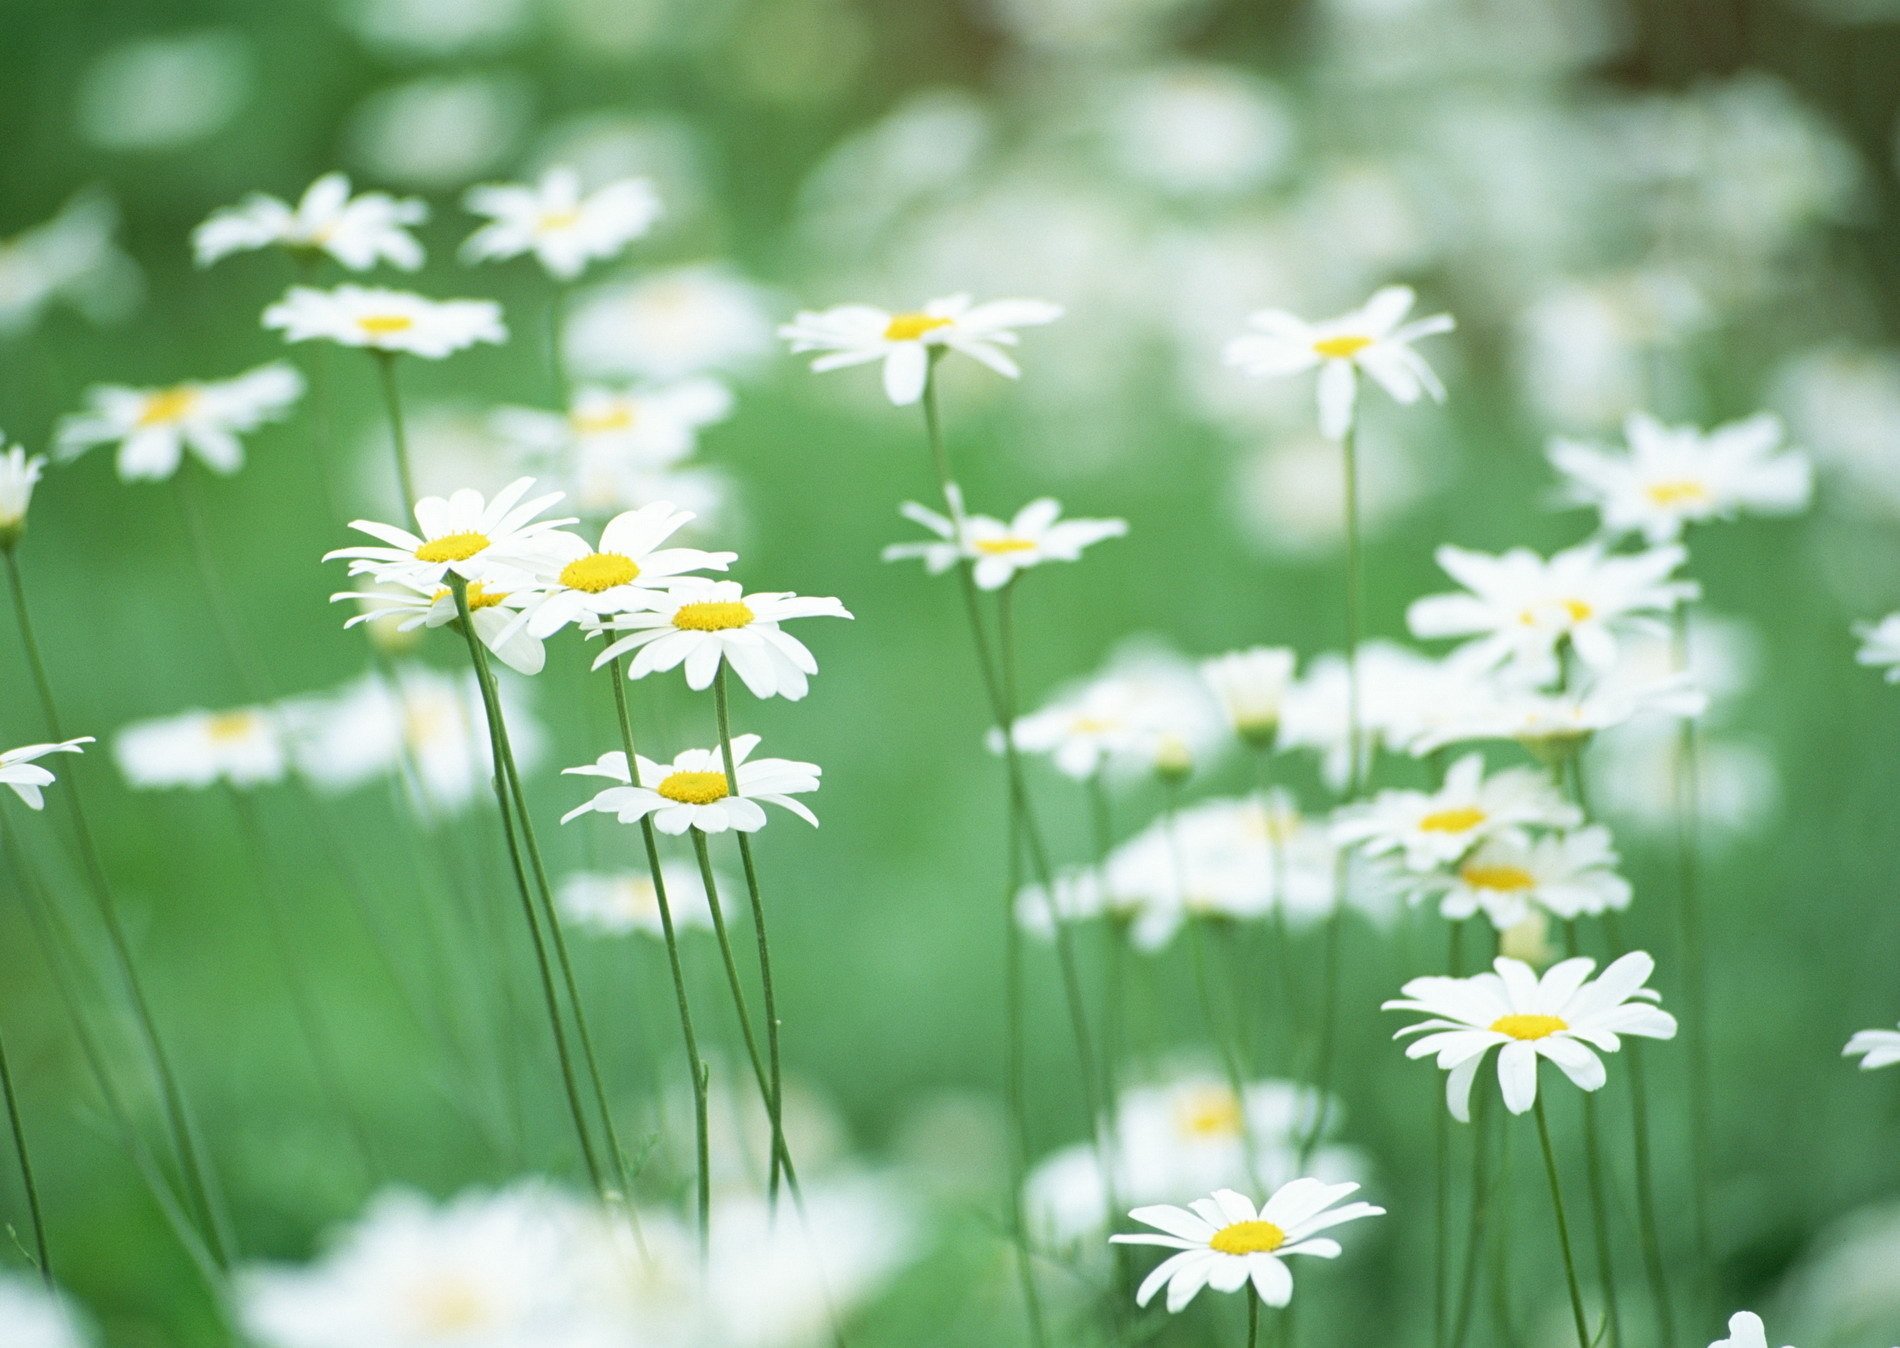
x: 671, y: 325
x: 645, y: 427
x: 574, y: 581
x: 386, y: 320
x: 1554, y: 723
x: 700, y: 624
x: 1224, y: 1242
x: 154, y: 427
x: 472, y: 536
x: 18, y: 476
x: 70, y: 259
x: 1881, y: 1048
x: 692, y: 791
x: 1745, y: 1330
x: 1147, y: 711
x: 1565, y: 1016
x: 857, y: 334
x: 1435, y: 828
x: 1675, y: 476
x: 357, y: 231
x: 499, y: 615
x: 1000, y: 550
x: 25, y: 777
x: 1880, y: 645
x: 36, y: 1317
x: 243, y: 746
x: 1251, y: 686
x: 563, y: 227
x: 1400, y: 691
x: 1506, y: 877
x: 1518, y: 607
x: 1373, y: 339
x: 615, y: 903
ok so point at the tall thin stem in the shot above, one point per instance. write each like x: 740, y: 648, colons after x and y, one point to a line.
x: 1563, y: 1226
x: 1276, y: 872
x: 1015, y: 1083
x: 695, y: 1064
x: 1653, y: 1262
x: 775, y: 1098
x: 1694, y: 967
x: 398, y: 435
x: 26, y: 1168
x: 1253, y: 1319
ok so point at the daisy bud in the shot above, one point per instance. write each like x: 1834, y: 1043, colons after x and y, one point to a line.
x: 1251, y: 686
x: 1174, y: 760
x: 1528, y: 940
x: 18, y: 474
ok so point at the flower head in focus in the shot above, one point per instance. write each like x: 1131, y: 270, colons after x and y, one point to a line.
x: 1000, y: 550
x: 561, y: 226
x: 475, y: 537
x: 1434, y: 828
x: 1373, y: 339
x: 154, y: 427
x: 389, y: 321
x: 1509, y: 878
x: 574, y: 581
x: 358, y: 231
x: 25, y: 777
x: 701, y: 624
x: 693, y: 791
x: 858, y: 334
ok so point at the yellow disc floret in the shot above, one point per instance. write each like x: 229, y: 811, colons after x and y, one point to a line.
x: 452, y: 547
x: 1214, y: 1112
x: 169, y: 406
x: 1479, y: 875
x: 1001, y: 547
x: 1679, y: 492
x: 1457, y: 819
x: 599, y: 571
x: 1343, y: 347
x: 910, y: 327
x: 384, y: 325
x: 1528, y: 1026
x: 1248, y: 1238
x: 715, y: 616
x: 694, y: 788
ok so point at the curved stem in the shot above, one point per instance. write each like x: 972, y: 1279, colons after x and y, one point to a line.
x: 26, y: 1169
x: 398, y: 436
x: 1563, y: 1226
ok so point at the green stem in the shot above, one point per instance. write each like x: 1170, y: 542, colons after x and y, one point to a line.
x: 557, y: 348
x: 695, y: 1064
x: 775, y: 1098
x: 1282, y: 927
x: 197, y: 1171
x: 1563, y: 1226
x: 1253, y: 1317
x: 1596, y: 1174
x: 1653, y: 1261
x: 398, y: 435
x: 26, y: 1169
x: 1694, y: 968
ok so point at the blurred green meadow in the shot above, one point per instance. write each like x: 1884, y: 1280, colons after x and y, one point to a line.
x: 1703, y: 189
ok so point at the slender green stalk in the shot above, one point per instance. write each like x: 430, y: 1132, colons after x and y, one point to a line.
x: 322, y: 420
x: 185, y: 1141
x: 695, y: 1064
x: 1016, y: 1088
x: 26, y: 1169
x: 398, y: 435
x: 1277, y: 876
x: 1695, y: 1018
x: 775, y: 1099
x: 557, y: 347
x: 1253, y: 1318
x: 1653, y: 1262
x: 1441, y: 1150
x: 1563, y: 1226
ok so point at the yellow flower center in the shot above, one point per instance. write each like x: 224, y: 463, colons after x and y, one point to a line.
x: 478, y: 596
x: 452, y: 547
x: 617, y: 417
x: 999, y: 547
x: 1680, y: 492
x: 599, y: 571
x: 1579, y: 611
x: 1248, y: 1238
x: 712, y: 617
x: 384, y: 325
x: 1210, y: 1113
x: 911, y: 327
x: 169, y: 406
x: 1457, y: 819
x: 450, y: 1307
x: 552, y: 221
x: 1343, y: 347
x: 694, y: 788
x: 1511, y: 878
x: 1528, y: 1027
x: 231, y: 725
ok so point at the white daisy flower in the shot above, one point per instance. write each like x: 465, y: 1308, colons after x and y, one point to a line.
x: 1224, y: 1242
x: 1555, y: 722
x: 357, y: 231
x: 476, y: 538
x: 1880, y: 645
x: 388, y: 321
x: 1518, y: 607
x: 243, y: 747
x: 1400, y: 692
x: 1000, y: 550
x: 154, y: 427
x: 1880, y: 1047
x: 564, y: 228
x: 18, y: 476
x: 692, y: 790
x: 573, y: 581
x: 1675, y: 476
x: 702, y: 623
x: 1745, y: 1330
x: 1251, y: 686
x: 37, y: 1317
x: 616, y: 903
x: 72, y: 260
x: 643, y: 426
x: 1148, y: 711
x: 25, y: 777
x: 1563, y: 1016
x: 672, y: 324
x: 1435, y: 828
x: 1508, y: 877
x: 857, y: 334
x: 499, y: 616
x: 1371, y: 339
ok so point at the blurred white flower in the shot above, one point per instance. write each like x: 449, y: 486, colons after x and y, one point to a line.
x: 1000, y: 550
x: 154, y: 427
x: 671, y: 325
x: 1880, y: 645
x: 1436, y: 828
x: 386, y: 320
x: 1588, y: 350
x: 1507, y: 877
x: 858, y: 334
x: 1200, y: 130
x: 642, y: 427
x: 440, y: 131
x: 1401, y: 692
x: 1147, y: 711
x: 476, y: 537
x: 1552, y: 723
x: 21, y: 773
x: 564, y: 228
x: 1745, y: 1330
x: 437, y: 27
x: 619, y: 902
x: 70, y: 259
x: 1843, y: 402
x: 701, y: 624
x: 18, y: 476
x: 243, y: 747
x: 160, y: 93
x: 358, y: 231
x: 499, y: 616
x: 1289, y: 494
x: 1084, y: 28
x: 1373, y: 339
x: 37, y: 1318
x: 1251, y: 686
x: 1843, y: 1291
x: 692, y: 791
x: 1878, y: 1048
